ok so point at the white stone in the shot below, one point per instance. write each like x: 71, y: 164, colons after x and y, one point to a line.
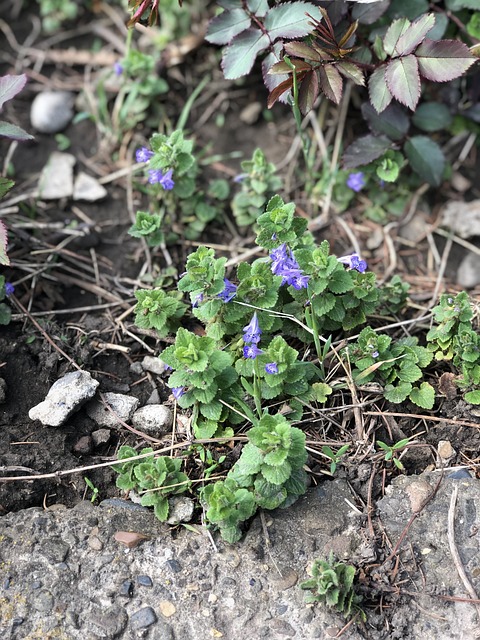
x: 153, y: 365
x: 65, y: 397
x: 463, y: 218
x: 51, y: 111
x: 56, y: 179
x: 153, y: 419
x: 123, y: 407
x: 181, y: 509
x: 87, y: 188
x: 468, y: 274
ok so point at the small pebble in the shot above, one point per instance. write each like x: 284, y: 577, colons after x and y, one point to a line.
x: 87, y: 188
x: 100, y: 437
x: 153, y: 419
x: 126, y: 589
x: 136, y: 368
x: 144, y: 581
x: 174, y: 566
x: 83, y: 446
x: 143, y: 618
x: 52, y: 111
x: 16, y: 622
x: 153, y: 365
x: 95, y: 543
x: 130, y: 539
x: 167, y: 608
x: 287, y: 580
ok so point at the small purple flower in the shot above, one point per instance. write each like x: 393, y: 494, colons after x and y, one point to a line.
x: 356, y: 181
x: 154, y: 176
x: 285, y: 265
x: 118, y: 70
x: 375, y: 354
x: 251, y: 351
x: 143, y: 154
x: 252, y: 331
x: 9, y: 289
x: 197, y: 300
x: 353, y: 261
x: 271, y: 367
x: 229, y: 291
x: 240, y: 178
x: 166, y: 180
x: 178, y: 392
x: 168, y: 367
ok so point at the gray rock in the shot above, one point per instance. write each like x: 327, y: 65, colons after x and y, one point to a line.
x: 136, y: 368
x: 154, y: 397
x: 56, y: 179
x: 101, y: 436
x: 153, y: 419
x: 154, y: 365
x: 87, y: 188
x: 65, y: 397
x: 111, y: 622
x: 143, y: 618
x: 181, y: 509
x: 122, y: 405
x: 83, y: 446
x: 3, y: 390
x: 51, y: 111
x: 468, y: 274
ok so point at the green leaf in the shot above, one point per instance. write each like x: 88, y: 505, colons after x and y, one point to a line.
x: 423, y: 396
x: 352, y: 72
x: 443, y: 60
x: 426, y: 158
x: 415, y: 34
x: 258, y: 7
x: 277, y: 475
x: 394, y: 32
x: 290, y: 20
x: 223, y: 28
x: 473, y: 397
x: 409, y: 372
x: 364, y: 150
x: 399, y: 393
x: 410, y: 9
x: 392, y: 121
x: 8, y: 130
x: 403, y: 80
x: 456, y: 5
x: 473, y: 26
x: 378, y: 91
x: 238, y: 58
x: 432, y: 116
x: 321, y: 391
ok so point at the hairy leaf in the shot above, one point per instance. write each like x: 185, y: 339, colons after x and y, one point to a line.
x: 397, y: 393
x: 308, y: 92
x: 364, y: 150
x: 423, y: 396
x: 394, y: 32
x: 403, y: 80
x: 226, y: 26
x: 432, y: 116
x: 415, y: 34
x: 290, y: 20
x: 473, y: 397
x: 393, y: 122
x: 426, y: 158
x: 10, y: 86
x: 4, y: 259
x: 331, y: 82
x: 8, y: 130
x: 443, y: 60
x: 303, y: 50
x: 352, y: 72
x: 238, y: 58
x: 380, y: 96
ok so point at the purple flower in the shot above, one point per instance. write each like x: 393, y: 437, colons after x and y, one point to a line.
x: 118, y: 70
x: 197, y: 300
x: 251, y: 351
x: 166, y: 181
x: 375, y: 354
x: 154, y: 176
x: 240, y: 178
x: 9, y: 289
x: 252, y: 332
x: 229, y: 291
x: 356, y: 181
x: 285, y: 265
x: 271, y: 367
x: 143, y: 154
x: 178, y: 392
x: 353, y: 261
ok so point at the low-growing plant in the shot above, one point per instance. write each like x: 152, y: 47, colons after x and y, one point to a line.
x: 335, y: 457
x: 332, y: 583
x: 392, y: 451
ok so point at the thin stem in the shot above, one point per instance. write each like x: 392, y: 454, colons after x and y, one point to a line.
x: 257, y: 395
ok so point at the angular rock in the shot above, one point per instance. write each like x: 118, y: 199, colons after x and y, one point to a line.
x: 143, y: 618
x: 51, y: 111
x: 468, y: 274
x: 56, y: 179
x: 102, y: 436
x: 181, y: 509
x: 65, y: 397
x: 122, y: 406
x: 463, y: 218
x: 153, y: 419
x: 87, y: 188
x: 154, y: 365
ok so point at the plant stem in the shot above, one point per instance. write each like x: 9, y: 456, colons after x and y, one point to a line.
x: 311, y: 321
x: 257, y: 396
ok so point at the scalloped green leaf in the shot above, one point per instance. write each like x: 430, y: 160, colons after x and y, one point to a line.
x: 364, y: 150
x: 426, y: 158
x: 238, y: 58
x: 443, y: 60
x: 397, y: 393
x: 473, y: 397
x: 290, y: 20
x: 403, y: 80
x: 223, y: 28
x: 423, y: 396
x: 415, y: 34
x: 378, y: 91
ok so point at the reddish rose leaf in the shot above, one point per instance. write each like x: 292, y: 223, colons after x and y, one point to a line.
x: 403, y: 80
x: 10, y: 86
x: 394, y: 32
x: 415, y: 34
x: 308, y: 92
x: 283, y: 68
x: 443, y: 60
x: 331, y: 83
x: 303, y: 50
x: 380, y: 96
x: 351, y: 72
x: 279, y: 90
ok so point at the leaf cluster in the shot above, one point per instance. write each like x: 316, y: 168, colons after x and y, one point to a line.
x: 332, y: 584
x: 154, y: 478
x: 160, y: 310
